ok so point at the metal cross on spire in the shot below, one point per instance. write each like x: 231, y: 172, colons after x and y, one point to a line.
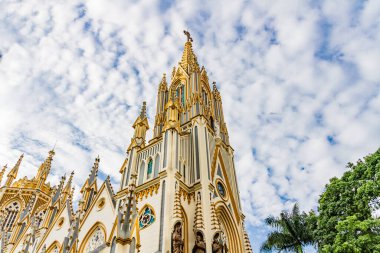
x: 188, y: 36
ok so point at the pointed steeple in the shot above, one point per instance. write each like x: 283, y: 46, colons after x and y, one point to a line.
x: 141, y: 126
x: 189, y: 60
x: 94, y: 171
x: 44, y: 169
x: 160, y: 109
x: 67, y: 189
x: 2, y: 172
x: 58, y: 192
x: 13, y: 173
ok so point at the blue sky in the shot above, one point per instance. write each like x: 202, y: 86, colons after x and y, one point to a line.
x: 304, y: 76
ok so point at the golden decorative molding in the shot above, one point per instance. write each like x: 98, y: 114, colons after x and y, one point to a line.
x: 140, y: 194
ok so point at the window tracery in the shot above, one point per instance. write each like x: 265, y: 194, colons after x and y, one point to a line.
x: 96, y: 240
x: 147, y: 217
x: 11, y: 212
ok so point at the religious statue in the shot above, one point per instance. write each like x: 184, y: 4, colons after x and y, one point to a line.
x: 200, y: 246
x: 177, y: 241
x: 217, y: 244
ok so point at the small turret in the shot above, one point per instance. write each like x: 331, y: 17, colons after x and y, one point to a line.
x: 141, y: 126
x: 13, y: 173
x: 90, y: 187
x: 172, y: 115
x: 44, y: 170
x: 161, y: 102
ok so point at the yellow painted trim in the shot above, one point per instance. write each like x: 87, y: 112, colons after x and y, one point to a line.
x: 52, y: 246
x: 218, y: 155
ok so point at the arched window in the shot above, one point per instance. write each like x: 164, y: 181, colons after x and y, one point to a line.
x: 150, y: 169
x: 204, y: 97
x: 11, y: 212
x: 156, y: 166
x: 96, y: 240
x: 141, y: 173
x: 181, y: 94
x: 147, y: 217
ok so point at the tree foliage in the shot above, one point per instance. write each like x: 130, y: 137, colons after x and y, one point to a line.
x: 345, y: 222
x: 291, y: 232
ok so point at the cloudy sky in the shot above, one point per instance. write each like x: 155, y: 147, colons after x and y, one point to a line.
x: 300, y: 83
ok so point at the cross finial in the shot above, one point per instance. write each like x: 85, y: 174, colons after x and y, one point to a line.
x: 189, y: 39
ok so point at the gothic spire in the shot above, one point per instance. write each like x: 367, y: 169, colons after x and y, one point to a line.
x: 94, y: 171
x: 67, y: 189
x: 143, y: 111
x: 189, y: 60
x: 13, y: 173
x: 141, y: 126
x: 45, y: 167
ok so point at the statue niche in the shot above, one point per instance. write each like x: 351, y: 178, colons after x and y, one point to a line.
x: 177, y: 241
x: 200, y: 245
x: 218, y: 244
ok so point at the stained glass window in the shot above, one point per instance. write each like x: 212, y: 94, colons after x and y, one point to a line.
x: 150, y: 169
x: 181, y: 94
x: 146, y: 218
x: 221, y: 189
x: 96, y: 240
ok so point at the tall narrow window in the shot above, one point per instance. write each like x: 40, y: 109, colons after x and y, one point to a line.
x: 181, y: 94
x: 150, y: 169
x: 156, y: 166
x: 204, y: 95
x: 11, y: 211
x: 141, y: 173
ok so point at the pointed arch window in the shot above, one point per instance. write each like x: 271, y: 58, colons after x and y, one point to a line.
x: 204, y: 96
x: 181, y: 94
x: 11, y: 212
x: 150, y: 169
x: 96, y: 240
x: 147, y: 217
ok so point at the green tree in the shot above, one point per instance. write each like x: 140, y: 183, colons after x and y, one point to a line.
x: 345, y: 222
x: 291, y: 233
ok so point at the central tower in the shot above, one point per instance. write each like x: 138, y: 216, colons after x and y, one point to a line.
x: 182, y: 182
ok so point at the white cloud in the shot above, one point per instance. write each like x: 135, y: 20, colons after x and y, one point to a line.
x: 76, y: 73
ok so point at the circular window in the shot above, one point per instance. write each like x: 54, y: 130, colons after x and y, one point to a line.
x: 60, y: 222
x: 221, y: 189
x: 101, y: 203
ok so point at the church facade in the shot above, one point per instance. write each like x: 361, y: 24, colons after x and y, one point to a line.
x: 178, y: 191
